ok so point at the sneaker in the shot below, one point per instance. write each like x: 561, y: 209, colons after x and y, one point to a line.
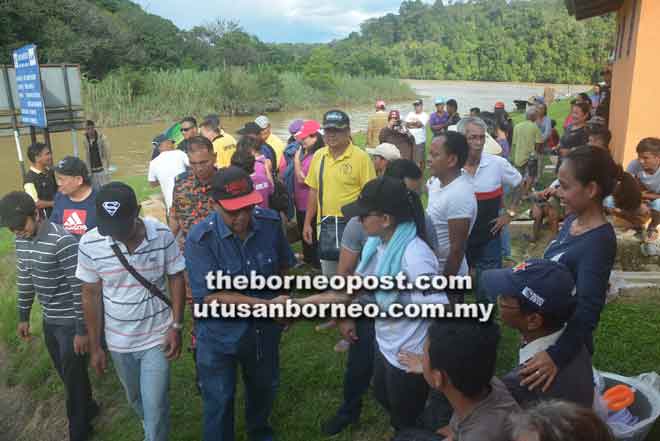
x: 337, y: 424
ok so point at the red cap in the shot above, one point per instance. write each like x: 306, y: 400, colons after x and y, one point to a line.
x: 308, y: 128
x: 394, y: 114
x: 380, y: 104
x: 499, y: 105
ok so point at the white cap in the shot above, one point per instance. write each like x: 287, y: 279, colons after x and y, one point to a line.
x: 262, y: 121
x: 388, y: 151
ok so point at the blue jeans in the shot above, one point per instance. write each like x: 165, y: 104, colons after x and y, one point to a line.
x: 145, y: 376
x: 258, y: 354
x: 485, y: 257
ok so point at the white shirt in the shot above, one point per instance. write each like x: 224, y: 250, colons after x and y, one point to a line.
x: 165, y: 168
x: 396, y: 335
x: 539, y: 345
x: 455, y: 201
x: 419, y: 134
x: 494, y: 172
x: 135, y: 320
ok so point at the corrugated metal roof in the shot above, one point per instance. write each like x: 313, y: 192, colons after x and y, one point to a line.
x: 591, y: 8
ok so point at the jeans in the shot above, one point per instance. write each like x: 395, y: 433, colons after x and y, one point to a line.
x: 72, y: 369
x: 258, y: 355
x: 482, y: 258
x: 329, y: 267
x: 359, y: 369
x: 145, y: 376
x: 402, y: 394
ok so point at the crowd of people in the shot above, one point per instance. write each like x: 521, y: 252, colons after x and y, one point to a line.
x: 114, y: 283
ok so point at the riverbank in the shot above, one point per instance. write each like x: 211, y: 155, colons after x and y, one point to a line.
x: 129, y: 97
x: 312, y: 373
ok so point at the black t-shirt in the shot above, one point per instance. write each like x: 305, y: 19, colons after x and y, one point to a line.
x: 95, y: 155
x: 45, y: 185
x: 574, y: 138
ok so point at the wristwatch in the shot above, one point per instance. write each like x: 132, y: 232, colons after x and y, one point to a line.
x: 177, y: 326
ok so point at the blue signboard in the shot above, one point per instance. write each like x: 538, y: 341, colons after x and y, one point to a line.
x: 28, y: 86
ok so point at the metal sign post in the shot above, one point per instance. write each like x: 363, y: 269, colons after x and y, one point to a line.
x: 17, y: 139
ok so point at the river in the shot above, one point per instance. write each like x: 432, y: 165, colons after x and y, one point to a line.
x: 131, y: 145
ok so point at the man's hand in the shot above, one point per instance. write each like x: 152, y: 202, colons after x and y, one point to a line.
x: 98, y: 361
x: 80, y: 344
x: 307, y: 233
x: 499, y: 223
x: 23, y: 331
x: 348, y: 329
x: 172, y: 346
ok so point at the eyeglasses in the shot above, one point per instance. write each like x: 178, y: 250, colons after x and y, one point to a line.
x: 185, y: 129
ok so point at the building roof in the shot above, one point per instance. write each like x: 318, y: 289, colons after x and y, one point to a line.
x: 591, y: 8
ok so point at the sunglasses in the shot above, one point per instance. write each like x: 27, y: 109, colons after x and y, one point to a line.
x: 185, y: 129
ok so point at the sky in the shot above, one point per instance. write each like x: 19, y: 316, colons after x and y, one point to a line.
x: 278, y: 21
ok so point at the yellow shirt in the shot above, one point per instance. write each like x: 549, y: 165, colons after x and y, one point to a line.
x: 224, y: 146
x: 278, y: 145
x: 377, y: 122
x: 343, y: 178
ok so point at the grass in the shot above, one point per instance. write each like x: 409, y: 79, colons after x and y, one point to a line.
x: 127, y: 97
x: 311, y: 377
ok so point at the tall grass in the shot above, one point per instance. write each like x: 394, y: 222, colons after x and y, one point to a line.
x: 128, y: 97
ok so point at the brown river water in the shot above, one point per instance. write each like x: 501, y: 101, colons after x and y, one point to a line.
x: 131, y: 145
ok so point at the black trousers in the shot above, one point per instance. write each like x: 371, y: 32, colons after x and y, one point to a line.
x: 359, y: 369
x: 72, y: 369
x: 310, y: 252
x: 402, y: 394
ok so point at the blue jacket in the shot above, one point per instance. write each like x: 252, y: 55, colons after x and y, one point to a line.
x: 289, y: 177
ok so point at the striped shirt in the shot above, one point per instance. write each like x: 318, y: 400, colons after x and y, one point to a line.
x: 46, y: 267
x: 135, y: 320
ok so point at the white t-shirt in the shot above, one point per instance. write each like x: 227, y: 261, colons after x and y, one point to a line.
x: 419, y: 134
x: 396, y: 335
x: 455, y: 201
x: 165, y: 168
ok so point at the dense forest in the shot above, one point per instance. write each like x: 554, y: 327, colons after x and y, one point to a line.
x: 501, y: 40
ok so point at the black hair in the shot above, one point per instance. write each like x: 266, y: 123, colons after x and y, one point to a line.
x: 190, y: 119
x: 35, y: 150
x: 213, y: 118
x: 475, y: 110
x: 415, y: 207
x: 456, y: 144
x: 649, y: 145
x: 584, y: 107
x: 199, y: 143
x: 466, y: 351
x: 552, y: 321
x: 248, y: 143
x: 593, y: 164
x: 15, y: 209
x: 210, y: 125
x: 403, y: 168
x: 243, y: 158
x: 600, y: 131
x: 320, y: 142
x: 585, y: 97
x: 553, y: 123
x: 89, y: 123
x: 452, y: 102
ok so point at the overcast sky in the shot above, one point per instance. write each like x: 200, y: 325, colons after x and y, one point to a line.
x: 307, y: 21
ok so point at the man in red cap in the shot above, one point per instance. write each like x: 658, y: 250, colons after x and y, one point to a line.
x: 237, y: 239
x: 376, y: 123
x: 396, y: 133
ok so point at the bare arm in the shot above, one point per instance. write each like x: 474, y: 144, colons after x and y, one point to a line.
x: 93, y: 311
x: 458, y: 234
x: 178, y: 295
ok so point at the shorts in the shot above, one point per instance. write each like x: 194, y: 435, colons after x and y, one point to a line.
x: 419, y: 154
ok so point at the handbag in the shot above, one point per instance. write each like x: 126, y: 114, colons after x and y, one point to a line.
x: 279, y: 200
x: 153, y: 289
x: 331, y: 228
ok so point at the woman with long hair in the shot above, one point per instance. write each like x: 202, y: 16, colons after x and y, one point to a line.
x: 576, y: 134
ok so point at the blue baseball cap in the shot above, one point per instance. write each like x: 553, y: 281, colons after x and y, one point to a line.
x: 440, y: 100
x: 544, y: 285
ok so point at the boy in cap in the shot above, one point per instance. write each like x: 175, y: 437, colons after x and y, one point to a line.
x: 237, y: 239
x: 345, y: 170
x: 382, y: 155
x: 537, y: 298
x: 51, y: 278
x: 266, y: 133
x: 252, y: 130
x: 459, y: 362
x: 127, y: 265
x: 75, y: 203
x: 416, y: 122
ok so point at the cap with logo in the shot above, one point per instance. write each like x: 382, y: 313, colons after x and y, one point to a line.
x: 72, y: 166
x: 440, y: 100
x: 250, y: 128
x: 388, y: 151
x: 336, y: 119
x: 116, y: 208
x: 386, y: 195
x: 262, y: 121
x: 544, y: 285
x: 232, y: 188
x: 309, y: 128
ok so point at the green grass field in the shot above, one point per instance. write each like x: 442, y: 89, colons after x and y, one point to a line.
x: 311, y: 380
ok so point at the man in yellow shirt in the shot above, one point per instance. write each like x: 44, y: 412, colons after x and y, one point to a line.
x: 268, y: 137
x: 346, y: 169
x: 224, y: 145
x: 377, y: 122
